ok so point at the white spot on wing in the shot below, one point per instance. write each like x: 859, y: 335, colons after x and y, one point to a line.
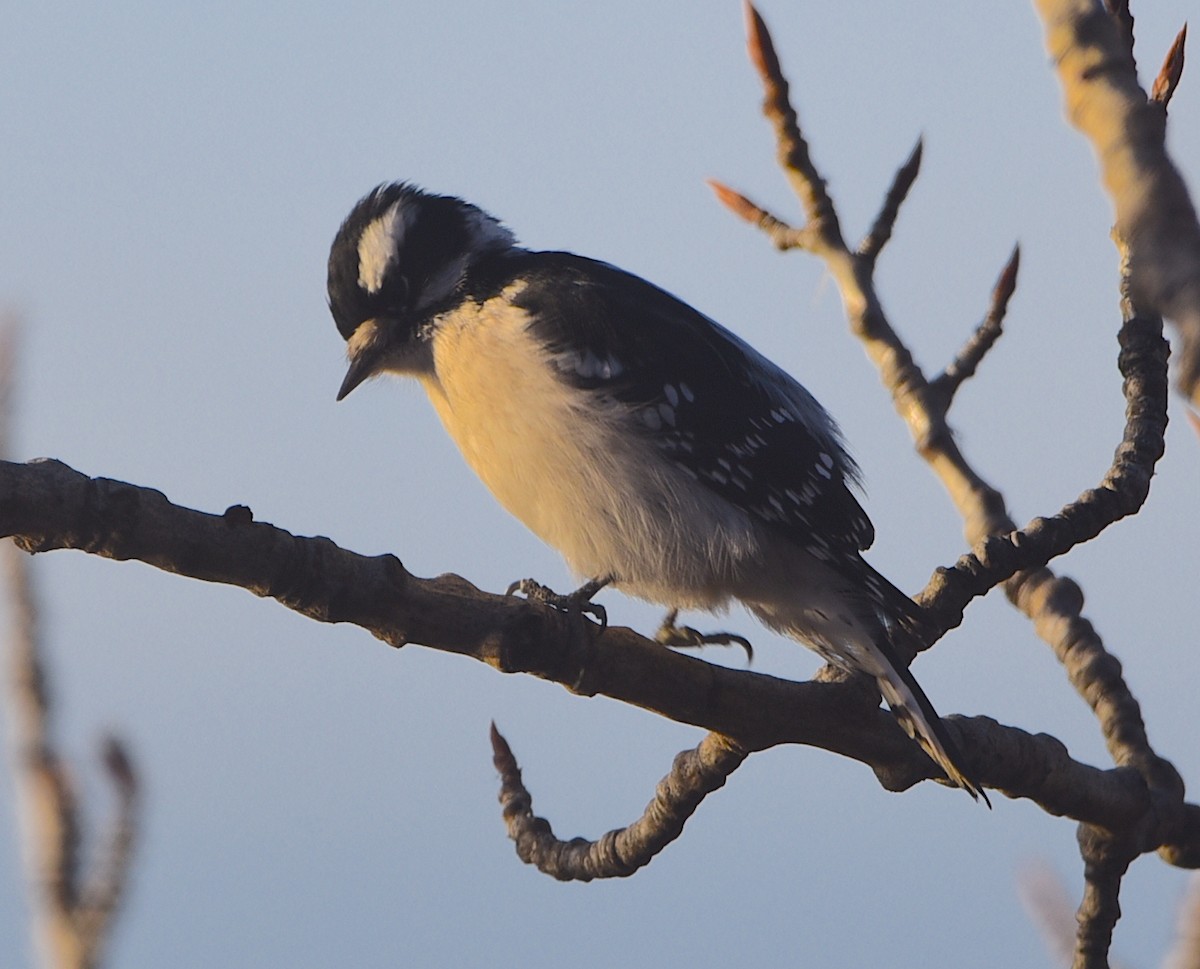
x: 587, y: 365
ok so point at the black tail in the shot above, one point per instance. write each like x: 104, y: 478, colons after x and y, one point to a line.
x: 921, y: 722
x: 906, y: 630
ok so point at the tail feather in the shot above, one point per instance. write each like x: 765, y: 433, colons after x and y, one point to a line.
x: 875, y: 623
x: 902, y: 620
x: 921, y: 722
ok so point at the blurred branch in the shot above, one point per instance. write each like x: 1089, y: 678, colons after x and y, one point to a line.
x: 694, y: 775
x: 1122, y: 18
x: 102, y: 892
x: 1154, y: 213
x: 1047, y: 904
x: 1185, y: 954
x: 49, y: 809
x: 72, y: 922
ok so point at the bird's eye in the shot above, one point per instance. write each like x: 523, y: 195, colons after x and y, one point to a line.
x: 396, y: 291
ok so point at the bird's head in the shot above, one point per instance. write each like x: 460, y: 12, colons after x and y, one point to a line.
x: 401, y: 258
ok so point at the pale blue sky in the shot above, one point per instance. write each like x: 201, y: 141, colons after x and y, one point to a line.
x: 173, y: 178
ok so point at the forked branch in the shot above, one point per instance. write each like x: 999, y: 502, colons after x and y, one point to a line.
x: 1002, y: 554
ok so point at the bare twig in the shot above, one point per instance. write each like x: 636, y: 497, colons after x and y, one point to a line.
x: 782, y: 235
x: 793, y: 150
x: 885, y: 222
x: 618, y: 854
x: 964, y: 365
x: 1096, y: 674
x: 1170, y: 72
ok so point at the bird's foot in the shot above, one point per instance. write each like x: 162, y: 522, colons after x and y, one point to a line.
x: 685, y: 637
x: 578, y: 602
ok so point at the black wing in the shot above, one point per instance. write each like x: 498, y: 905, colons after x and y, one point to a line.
x: 718, y: 409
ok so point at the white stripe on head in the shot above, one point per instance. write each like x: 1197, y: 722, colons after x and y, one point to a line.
x: 378, y: 246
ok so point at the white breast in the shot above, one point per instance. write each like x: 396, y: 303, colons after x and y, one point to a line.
x: 573, y: 468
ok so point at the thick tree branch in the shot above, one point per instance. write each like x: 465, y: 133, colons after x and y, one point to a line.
x: 48, y: 505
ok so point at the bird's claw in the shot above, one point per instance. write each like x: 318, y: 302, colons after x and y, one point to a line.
x: 685, y: 637
x: 578, y: 602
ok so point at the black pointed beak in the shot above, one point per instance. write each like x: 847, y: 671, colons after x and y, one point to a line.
x: 360, y: 369
x: 366, y: 347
